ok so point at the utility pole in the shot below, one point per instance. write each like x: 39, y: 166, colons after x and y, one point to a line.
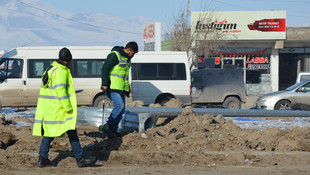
x: 187, y: 13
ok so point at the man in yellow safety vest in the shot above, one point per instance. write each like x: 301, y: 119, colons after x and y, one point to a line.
x: 56, y: 112
x: 115, y: 83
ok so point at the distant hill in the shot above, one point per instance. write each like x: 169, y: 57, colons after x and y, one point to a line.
x: 22, y: 24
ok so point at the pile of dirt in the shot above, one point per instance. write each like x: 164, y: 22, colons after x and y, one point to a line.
x: 186, y: 140
x: 189, y: 138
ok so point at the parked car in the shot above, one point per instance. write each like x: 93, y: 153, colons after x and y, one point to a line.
x: 294, y: 97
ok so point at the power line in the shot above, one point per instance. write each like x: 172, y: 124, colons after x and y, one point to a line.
x: 84, y: 23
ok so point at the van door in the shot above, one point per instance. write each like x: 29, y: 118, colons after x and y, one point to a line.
x: 11, y: 87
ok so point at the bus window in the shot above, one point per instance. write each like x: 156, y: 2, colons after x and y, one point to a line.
x: 148, y: 71
x: 165, y: 71
x: 11, y: 68
x: 158, y: 71
x: 134, y: 71
x: 180, y: 71
x: 15, y: 68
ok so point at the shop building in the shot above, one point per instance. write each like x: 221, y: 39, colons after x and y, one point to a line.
x: 272, y: 65
x: 270, y: 53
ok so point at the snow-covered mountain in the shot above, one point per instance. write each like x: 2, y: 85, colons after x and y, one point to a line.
x: 35, y: 24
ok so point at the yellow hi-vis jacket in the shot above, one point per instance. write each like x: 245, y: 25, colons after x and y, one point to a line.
x: 56, y: 98
x: 119, y: 74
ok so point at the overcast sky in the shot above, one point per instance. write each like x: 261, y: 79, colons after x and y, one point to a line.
x: 298, y: 11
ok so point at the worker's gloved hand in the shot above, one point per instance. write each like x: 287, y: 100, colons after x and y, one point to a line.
x: 104, y: 88
x: 126, y: 93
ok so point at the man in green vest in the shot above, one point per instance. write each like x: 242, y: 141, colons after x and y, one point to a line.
x: 115, y: 83
x: 56, y: 112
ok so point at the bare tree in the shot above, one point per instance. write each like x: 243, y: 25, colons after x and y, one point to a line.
x: 198, y: 40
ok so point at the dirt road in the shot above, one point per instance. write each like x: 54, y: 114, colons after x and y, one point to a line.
x: 188, y: 144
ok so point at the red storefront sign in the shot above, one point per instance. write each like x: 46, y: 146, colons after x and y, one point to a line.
x: 268, y: 25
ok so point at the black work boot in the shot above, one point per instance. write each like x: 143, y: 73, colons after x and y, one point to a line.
x: 84, y: 162
x: 110, y: 134
x: 107, y: 130
x: 117, y: 134
x: 45, y: 162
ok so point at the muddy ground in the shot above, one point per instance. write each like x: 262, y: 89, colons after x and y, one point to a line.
x: 187, y: 144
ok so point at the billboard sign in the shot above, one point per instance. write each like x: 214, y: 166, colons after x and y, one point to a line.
x: 240, y: 25
x: 152, y: 37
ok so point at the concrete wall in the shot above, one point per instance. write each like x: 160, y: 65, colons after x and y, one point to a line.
x: 262, y: 88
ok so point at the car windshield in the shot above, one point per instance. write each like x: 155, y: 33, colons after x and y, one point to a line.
x: 294, y: 86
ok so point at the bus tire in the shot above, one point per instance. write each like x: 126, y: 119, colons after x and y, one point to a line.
x: 99, y: 102
x: 162, y: 100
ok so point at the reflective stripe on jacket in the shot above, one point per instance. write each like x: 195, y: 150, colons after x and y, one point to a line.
x: 56, y: 98
x: 119, y: 74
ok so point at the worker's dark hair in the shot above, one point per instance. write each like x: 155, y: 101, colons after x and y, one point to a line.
x: 132, y: 46
x: 65, y: 54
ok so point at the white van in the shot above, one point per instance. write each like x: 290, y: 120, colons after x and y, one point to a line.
x: 159, y: 76
x: 22, y: 88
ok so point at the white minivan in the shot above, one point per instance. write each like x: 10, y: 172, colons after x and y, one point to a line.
x: 22, y: 88
x: 157, y: 76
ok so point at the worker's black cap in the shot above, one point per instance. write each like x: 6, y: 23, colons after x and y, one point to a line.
x: 65, y: 54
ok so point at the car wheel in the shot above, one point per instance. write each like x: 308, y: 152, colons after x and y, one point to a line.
x: 283, y: 105
x: 232, y: 103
